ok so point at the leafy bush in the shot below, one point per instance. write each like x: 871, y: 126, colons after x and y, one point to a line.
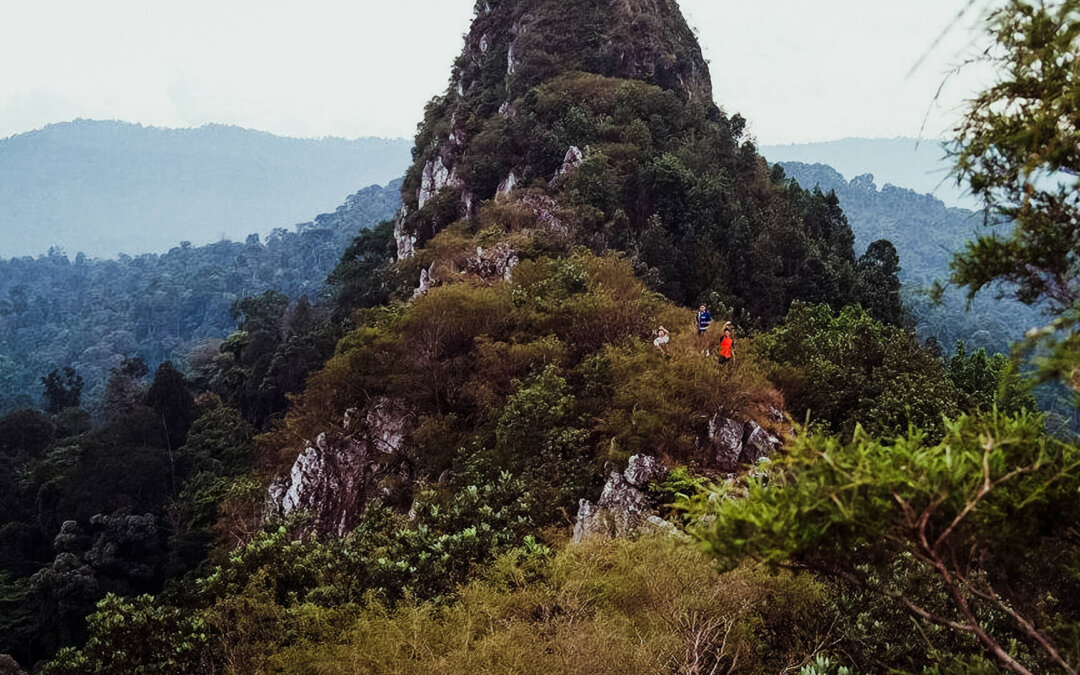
x: 965, y: 534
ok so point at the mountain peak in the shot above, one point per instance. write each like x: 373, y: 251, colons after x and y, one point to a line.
x: 517, y: 44
x: 486, y: 132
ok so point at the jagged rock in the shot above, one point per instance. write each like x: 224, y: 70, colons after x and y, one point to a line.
x: 435, y: 177
x: 427, y: 281
x: 333, y: 477
x: 758, y: 444
x: 8, y: 666
x: 658, y: 525
x: 406, y: 243
x: 623, y: 506
x: 505, y: 187
x: 573, y: 160
x: 726, y: 442
x: 593, y: 522
x: 644, y: 469
x: 495, y: 262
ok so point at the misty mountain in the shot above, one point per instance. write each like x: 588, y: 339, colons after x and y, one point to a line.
x: 104, y: 188
x: 919, y: 165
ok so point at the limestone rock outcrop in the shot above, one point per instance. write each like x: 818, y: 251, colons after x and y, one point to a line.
x: 624, y: 507
x: 334, y: 477
x: 574, y: 158
x: 732, y: 444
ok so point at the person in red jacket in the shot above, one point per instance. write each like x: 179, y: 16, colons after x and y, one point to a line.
x: 727, y: 345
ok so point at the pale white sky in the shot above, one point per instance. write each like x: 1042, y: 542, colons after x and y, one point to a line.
x: 799, y: 71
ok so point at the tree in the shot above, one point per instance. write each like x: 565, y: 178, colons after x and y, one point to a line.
x: 170, y: 398
x: 847, y: 368
x: 986, y: 381
x: 260, y: 313
x: 63, y: 389
x: 1017, y: 148
x: 363, y: 276
x: 125, y: 389
x: 877, y: 283
x: 25, y: 434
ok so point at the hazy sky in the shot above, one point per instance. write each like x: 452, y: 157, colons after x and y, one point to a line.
x: 799, y: 71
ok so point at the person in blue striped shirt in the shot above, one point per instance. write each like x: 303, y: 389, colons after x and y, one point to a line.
x: 704, y: 318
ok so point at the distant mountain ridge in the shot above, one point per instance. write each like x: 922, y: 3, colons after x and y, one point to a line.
x: 917, y: 164
x: 105, y: 188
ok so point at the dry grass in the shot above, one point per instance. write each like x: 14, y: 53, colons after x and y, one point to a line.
x: 649, y: 606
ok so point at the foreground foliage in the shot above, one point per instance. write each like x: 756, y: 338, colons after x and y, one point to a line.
x: 971, y: 536
x: 629, y: 606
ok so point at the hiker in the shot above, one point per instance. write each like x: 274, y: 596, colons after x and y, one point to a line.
x: 662, y: 338
x: 704, y: 318
x: 727, y: 345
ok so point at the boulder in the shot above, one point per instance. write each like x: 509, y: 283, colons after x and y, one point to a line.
x: 726, y: 442
x: 571, y: 161
x: 732, y: 444
x: 644, y: 469
x: 758, y: 444
x: 623, y: 508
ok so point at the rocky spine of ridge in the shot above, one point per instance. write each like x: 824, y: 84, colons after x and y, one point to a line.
x: 575, y: 125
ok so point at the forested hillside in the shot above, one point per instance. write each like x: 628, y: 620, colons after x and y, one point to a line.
x: 926, y: 234
x: 90, y: 314
x: 610, y: 394
x: 106, y: 188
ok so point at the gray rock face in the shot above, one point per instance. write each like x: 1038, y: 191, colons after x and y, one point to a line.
x: 726, y: 441
x: 494, y: 262
x: 505, y: 187
x: 333, y: 477
x: 642, y: 469
x: 8, y: 666
x: 623, y: 507
x: 406, y: 242
x: 573, y: 160
x: 759, y: 444
x: 732, y: 443
x: 435, y: 177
